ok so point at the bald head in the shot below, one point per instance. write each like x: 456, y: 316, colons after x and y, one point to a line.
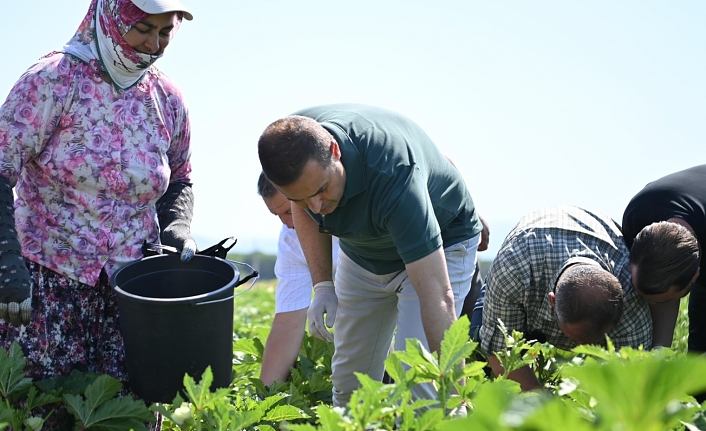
x: 588, y: 299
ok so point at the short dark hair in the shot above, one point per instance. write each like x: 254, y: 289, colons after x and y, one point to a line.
x: 265, y: 188
x: 665, y: 254
x: 590, y: 295
x: 287, y: 145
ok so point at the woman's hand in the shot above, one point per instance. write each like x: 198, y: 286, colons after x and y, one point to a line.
x: 15, y: 283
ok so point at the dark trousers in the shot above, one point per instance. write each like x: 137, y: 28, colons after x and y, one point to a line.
x: 697, y: 318
x: 477, y: 315
x: 470, y: 303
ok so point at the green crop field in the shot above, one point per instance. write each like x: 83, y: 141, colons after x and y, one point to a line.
x: 589, y: 388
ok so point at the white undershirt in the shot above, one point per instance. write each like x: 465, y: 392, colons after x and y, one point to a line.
x: 293, y: 277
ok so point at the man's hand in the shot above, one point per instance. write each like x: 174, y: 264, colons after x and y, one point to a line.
x: 324, y: 302
x: 524, y: 375
x: 282, y: 346
x: 484, y: 235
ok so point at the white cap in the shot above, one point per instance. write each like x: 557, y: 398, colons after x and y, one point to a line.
x: 154, y: 7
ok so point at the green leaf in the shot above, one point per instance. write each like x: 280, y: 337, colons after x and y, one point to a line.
x: 299, y: 427
x: 316, y: 349
x: 641, y: 392
x: 284, y: 413
x: 429, y: 420
x: 75, y: 406
x: 474, y: 369
x: 75, y: 383
x: 416, y: 356
x: 455, y: 346
x: 247, y: 346
x: 13, y: 382
x: 318, y: 382
x: 393, y: 366
x: 269, y: 402
x: 100, y: 391
x: 329, y: 418
x: 421, y: 403
x: 557, y: 411
x: 120, y: 413
x: 35, y: 399
x: 491, y: 402
x: 243, y: 419
x: 200, y: 393
x: 592, y: 350
x: 5, y: 417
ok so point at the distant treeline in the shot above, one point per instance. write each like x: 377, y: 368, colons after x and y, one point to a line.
x: 265, y: 264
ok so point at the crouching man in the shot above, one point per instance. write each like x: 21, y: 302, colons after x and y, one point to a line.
x: 561, y: 276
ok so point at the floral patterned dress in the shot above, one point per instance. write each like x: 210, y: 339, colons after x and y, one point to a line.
x: 89, y: 162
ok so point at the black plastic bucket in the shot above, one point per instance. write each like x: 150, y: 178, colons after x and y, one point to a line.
x: 176, y: 318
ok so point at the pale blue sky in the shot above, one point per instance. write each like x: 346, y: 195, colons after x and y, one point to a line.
x: 539, y: 103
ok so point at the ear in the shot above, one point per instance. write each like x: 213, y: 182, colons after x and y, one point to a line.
x: 335, y: 150
x: 696, y: 276
x: 552, y: 299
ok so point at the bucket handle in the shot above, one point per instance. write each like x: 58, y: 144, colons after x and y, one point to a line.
x: 229, y: 298
x: 254, y: 276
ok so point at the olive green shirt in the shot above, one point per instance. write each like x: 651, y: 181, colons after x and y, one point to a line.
x: 402, y: 198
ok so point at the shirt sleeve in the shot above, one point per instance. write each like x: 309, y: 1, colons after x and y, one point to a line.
x: 293, y: 290
x: 30, y: 113
x: 179, y: 152
x: 507, y: 281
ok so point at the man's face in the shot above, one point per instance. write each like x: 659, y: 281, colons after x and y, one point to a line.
x: 673, y: 293
x: 581, y: 332
x: 319, y: 188
x: 281, y: 207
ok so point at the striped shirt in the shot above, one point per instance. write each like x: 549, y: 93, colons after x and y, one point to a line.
x: 528, y: 264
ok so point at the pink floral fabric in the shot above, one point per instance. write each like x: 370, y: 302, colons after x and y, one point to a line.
x: 90, y: 162
x: 99, y: 41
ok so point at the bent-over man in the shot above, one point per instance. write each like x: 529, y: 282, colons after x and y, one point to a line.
x: 293, y: 292
x: 406, y: 224
x: 561, y: 276
x: 665, y: 228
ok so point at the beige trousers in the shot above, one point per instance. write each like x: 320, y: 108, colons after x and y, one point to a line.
x: 371, y: 306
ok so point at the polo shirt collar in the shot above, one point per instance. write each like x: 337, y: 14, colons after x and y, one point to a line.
x: 351, y: 160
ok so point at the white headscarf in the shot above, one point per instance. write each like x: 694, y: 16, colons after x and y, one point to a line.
x: 99, y: 41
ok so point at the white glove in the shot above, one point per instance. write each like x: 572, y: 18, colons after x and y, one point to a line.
x: 324, y: 302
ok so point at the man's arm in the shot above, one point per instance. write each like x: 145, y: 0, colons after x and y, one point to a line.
x: 524, y: 376
x: 315, y: 245
x: 509, y: 278
x: 484, y: 235
x: 664, y: 319
x: 430, y: 279
x: 282, y: 346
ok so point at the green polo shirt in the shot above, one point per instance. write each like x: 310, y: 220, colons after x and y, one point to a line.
x: 402, y: 199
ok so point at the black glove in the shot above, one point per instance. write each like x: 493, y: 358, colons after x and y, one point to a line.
x: 15, y: 284
x: 174, y: 212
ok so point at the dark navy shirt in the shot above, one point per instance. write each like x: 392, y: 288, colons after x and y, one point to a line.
x: 681, y: 194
